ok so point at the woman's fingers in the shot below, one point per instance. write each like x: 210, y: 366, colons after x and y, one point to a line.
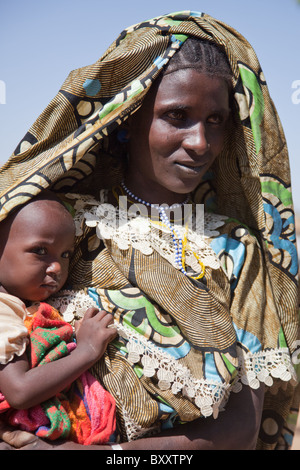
x: 14, y: 437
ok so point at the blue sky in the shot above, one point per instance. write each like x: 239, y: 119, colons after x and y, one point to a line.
x: 41, y: 41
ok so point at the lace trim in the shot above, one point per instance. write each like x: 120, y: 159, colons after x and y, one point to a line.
x: 171, y: 375
x: 264, y: 367
x: 128, y: 229
x: 72, y: 305
x: 81, y: 205
x: 134, y: 431
x: 208, y: 396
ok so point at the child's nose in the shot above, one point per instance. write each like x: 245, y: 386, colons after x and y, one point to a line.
x: 54, y: 268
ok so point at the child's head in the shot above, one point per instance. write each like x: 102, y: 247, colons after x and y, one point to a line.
x: 36, y: 243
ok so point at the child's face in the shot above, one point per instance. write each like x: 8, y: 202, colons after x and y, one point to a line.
x: 35, y: 259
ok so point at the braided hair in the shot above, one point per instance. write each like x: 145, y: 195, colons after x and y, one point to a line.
x: 203, y: 56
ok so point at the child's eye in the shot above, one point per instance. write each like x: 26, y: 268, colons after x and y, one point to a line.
x: 66, y: 254
x: 39, y: 250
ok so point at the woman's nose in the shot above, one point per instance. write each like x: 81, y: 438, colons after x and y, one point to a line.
x: 196, y: 140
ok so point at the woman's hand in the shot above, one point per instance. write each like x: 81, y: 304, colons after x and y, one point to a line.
x: 14, y: 438
x: 235, y: 429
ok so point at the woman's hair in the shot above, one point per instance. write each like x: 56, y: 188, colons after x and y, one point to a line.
x: 203, y: 56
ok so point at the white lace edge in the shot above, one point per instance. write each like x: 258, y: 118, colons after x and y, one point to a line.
x: 209, y: 396
x: 72, y: 304
x: 127, y: 229
x: 134, y: 430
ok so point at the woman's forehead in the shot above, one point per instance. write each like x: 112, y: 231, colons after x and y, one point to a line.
x: 190, y: 85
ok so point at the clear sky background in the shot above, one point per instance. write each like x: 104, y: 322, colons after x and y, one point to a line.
x: 41, y: 41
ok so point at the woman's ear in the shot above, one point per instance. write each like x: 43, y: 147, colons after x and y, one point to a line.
x: 123, y: 135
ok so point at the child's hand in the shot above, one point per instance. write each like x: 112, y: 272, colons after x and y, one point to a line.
x: 94, y: 332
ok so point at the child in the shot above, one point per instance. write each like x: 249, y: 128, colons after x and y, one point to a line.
x: 36, y: 244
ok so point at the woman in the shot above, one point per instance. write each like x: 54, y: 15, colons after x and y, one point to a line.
x: 205, y: 304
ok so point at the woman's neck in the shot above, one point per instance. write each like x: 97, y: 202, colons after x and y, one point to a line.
x: 154, y: 195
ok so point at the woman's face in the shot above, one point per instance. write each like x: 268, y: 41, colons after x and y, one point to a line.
x: 176, y: 135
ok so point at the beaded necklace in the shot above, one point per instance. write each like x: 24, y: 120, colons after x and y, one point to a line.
x: 179, y: 243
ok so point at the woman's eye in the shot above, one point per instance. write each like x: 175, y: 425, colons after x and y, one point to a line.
x: 215, y: 119
x: 176, y: 115
x: 66, y: 254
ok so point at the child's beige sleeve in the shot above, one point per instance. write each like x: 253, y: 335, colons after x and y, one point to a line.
x: 13, y: 333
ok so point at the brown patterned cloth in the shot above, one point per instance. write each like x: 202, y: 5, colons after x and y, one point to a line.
x: 241, y: 314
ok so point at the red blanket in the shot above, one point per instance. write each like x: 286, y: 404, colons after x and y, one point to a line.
x: 85, y: 412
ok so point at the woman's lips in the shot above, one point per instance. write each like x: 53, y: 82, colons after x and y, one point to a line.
x: 190, y: 167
